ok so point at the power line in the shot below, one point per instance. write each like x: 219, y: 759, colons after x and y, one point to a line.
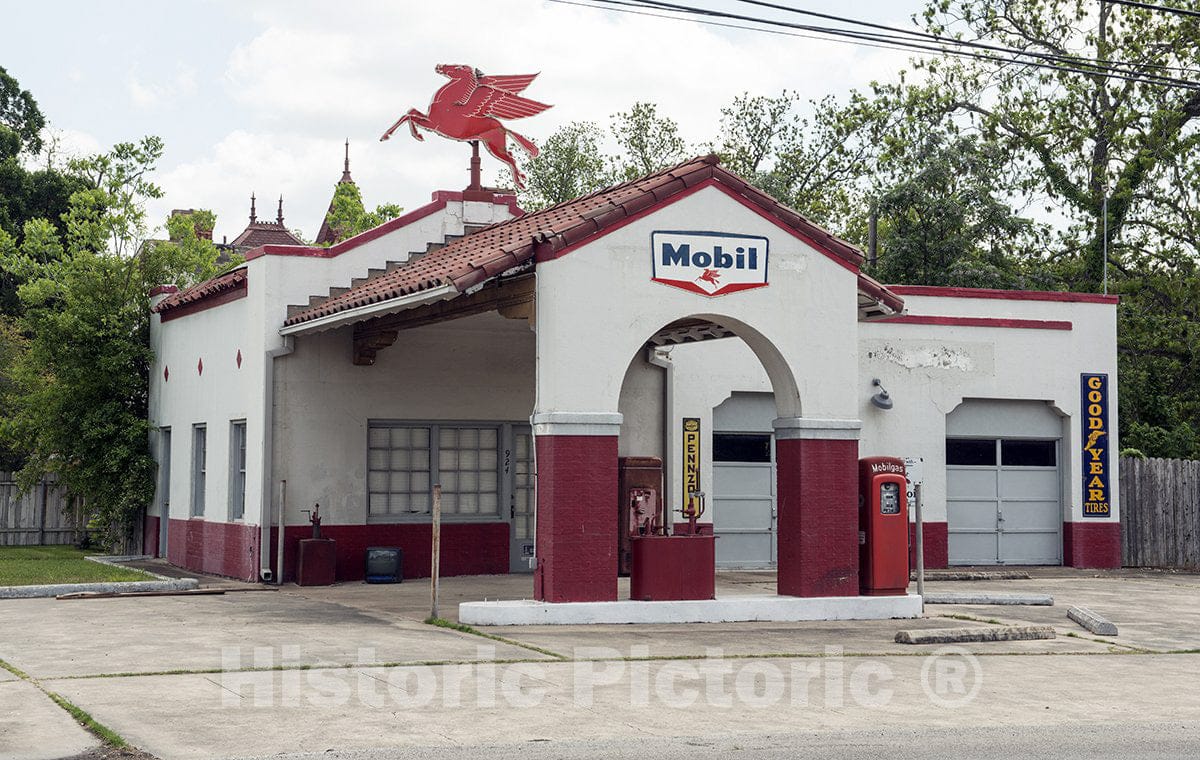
x: 895, y: 42
x: 1128, y: 68
x: 1152, y: 7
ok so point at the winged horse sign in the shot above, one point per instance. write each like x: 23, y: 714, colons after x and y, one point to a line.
x: 469, y: 108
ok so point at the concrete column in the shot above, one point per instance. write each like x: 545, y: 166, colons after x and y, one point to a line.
x: 576, y: 540
x: 817, y: 495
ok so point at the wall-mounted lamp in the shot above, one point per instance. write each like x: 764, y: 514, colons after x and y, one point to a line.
x: 882, y: 399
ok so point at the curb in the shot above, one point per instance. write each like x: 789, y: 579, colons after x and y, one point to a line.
x: 1037, y: 600
x: 1091, y: 621
x: 163, y: 583
x: 973, y: 575
x: 967, y: 635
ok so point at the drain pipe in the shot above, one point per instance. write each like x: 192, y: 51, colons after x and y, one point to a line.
x: 268, y: 468
x: 662, y: 358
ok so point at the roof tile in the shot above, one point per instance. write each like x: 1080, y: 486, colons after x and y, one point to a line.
x: 504, y: 246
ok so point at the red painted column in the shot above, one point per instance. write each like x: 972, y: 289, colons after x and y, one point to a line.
x: 817, y: 495
x: 576, y: 516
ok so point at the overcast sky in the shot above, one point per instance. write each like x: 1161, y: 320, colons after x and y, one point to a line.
x: 259, y: 96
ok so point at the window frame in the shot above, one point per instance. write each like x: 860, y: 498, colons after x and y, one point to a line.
x: 237, y: 470
x: 199, y: 471
x: 164, y: 471
x: 500, y: 515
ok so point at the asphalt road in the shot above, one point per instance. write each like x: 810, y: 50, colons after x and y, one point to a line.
x: 1127, y: 741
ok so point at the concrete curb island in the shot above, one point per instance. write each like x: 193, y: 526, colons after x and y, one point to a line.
x: 163, y: 583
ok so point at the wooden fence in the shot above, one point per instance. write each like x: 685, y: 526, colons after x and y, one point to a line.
x: 35, y: 517
x: 1160, y: 513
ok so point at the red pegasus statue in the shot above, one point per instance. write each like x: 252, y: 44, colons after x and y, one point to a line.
x: 470, y: 107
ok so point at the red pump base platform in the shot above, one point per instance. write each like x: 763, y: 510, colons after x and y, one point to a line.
x: 673, y: 568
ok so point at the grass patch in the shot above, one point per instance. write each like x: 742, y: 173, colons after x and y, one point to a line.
x: 99, y: 730
x: 464, y: 628
x: 33, y: 565
x: 81, y: 716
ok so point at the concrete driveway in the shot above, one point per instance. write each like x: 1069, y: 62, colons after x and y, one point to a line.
x: 352, y: 669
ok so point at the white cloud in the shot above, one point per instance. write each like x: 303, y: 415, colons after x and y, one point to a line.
x: 146, y: 95
x: 316, y: 72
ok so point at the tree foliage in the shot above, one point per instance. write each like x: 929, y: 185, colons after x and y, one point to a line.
x: 348, y: 217
x: 21, y: 121
x: 78, y: 355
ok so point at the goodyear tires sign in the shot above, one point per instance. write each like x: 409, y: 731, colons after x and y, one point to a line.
x: 1097, y: 499
x: 709, y: 263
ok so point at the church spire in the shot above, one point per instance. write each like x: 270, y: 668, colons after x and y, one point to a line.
x: 279, y: 218
x: 253, y: 214
x: 346, y: 170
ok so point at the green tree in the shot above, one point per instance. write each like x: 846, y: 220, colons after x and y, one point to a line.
x: 348, y: 217
x: 943, y: 223
x: 78, y: 360
x: 21, y: 121
x: 1082, y: 137
x: 570, y: 164
x: 648, y: 142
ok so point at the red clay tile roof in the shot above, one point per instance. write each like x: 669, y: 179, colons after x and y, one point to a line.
x: 547, y: 234
x: 207, y: 289
x: 265, y: 233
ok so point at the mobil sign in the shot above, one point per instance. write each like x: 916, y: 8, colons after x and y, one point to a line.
x: 709, y: 263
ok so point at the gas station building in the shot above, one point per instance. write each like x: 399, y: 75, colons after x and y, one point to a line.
x: 518, y: 359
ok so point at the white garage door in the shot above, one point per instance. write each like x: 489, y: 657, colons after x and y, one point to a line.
x: 744, y: 480
x: 744, y: 499
x: 1003, y: 492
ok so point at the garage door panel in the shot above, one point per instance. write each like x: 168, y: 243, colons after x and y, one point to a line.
x: 973, y: 548
x: 971, y: 515
x: 742, y: 514
x: 744, y: 549
x: 1029, y: 484
x: 1031, y: 548
x: 970, y: 484
x: 741, y: 480
x: 1031, y: 515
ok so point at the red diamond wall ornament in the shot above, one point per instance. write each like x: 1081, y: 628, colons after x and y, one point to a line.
x: 200, y: 367
x: 166, y: 374
x: 239, y: 358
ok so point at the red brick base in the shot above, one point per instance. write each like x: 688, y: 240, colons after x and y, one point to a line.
x: 577, y: 522
x: 1092, y: 544
x: 936, y: 548
x: 228, y: 549
x: 818, y: 517
x: 467, y: 548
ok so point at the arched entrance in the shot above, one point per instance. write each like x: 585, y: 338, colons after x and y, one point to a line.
x: 816, y: 482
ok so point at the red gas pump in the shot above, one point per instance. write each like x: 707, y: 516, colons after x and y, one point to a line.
x: 882, y: 527
x: 638, y: 503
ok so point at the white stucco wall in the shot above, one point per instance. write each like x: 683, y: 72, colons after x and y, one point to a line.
x: 929, y: 370
x: 222, y: 393
x: 252, y: 324
x: 602, y: 294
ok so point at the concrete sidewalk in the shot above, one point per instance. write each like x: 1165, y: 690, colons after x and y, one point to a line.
x: 352, y: 668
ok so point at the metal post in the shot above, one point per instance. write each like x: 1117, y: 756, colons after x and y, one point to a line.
x: 476, y: 181
x: 42, y: 515
x: 920, y: 546
x: 279, y: 538
x: 435, y: 560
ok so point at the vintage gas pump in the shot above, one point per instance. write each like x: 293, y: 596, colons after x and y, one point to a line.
x: 882, y: 527
x: 638, y: 504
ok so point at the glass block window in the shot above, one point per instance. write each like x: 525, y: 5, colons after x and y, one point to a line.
x: 468, y: 469
x: 398, y: 470
x: 405, y: 461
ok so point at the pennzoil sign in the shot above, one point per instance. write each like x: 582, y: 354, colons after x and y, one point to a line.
x: 1096, y: 444
x: 708, y: 263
